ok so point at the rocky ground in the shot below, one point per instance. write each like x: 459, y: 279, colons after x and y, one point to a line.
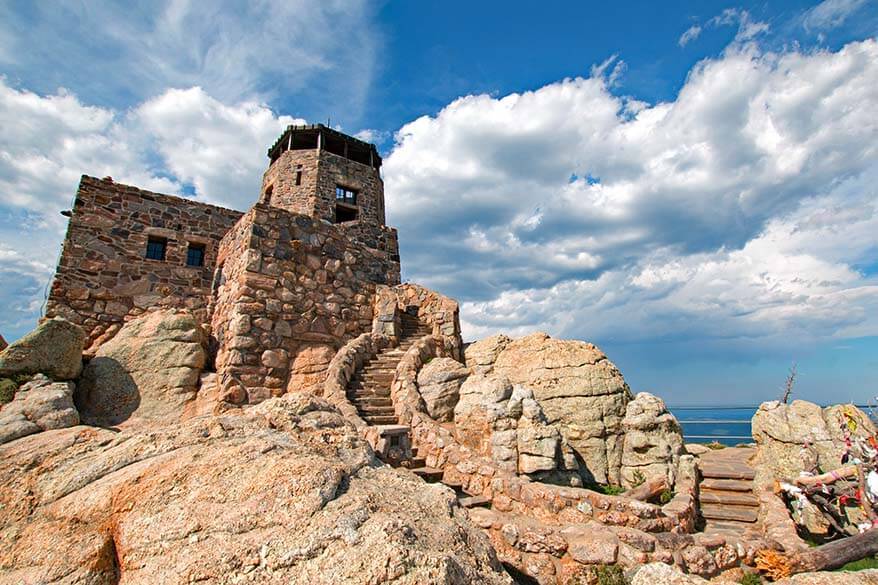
x: 135, y: 469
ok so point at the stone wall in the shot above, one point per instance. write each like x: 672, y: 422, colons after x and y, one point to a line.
x: 439, y: 312
x: 292, y: 290
x: 321, y: 172
x: 104, y: 278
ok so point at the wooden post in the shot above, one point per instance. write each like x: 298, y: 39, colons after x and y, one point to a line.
x: 290, y: 143
x: 319, y: 140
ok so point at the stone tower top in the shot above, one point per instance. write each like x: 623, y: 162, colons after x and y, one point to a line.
x: 324, y: 173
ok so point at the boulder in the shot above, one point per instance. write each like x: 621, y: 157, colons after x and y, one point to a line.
x: 653, y: 441
x: 481, y: 355
x: 150, y: 370
x: 795, y: 437
x: 38, y: 405
x: 501, y: 421
x: 3, y: 344
x: 54, y: 348
x: 581, y: 393
x: 439, y: 384
x: 282, y: 492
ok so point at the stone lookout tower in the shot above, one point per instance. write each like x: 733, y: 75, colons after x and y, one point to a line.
x: 323, y: 173
x: 281, y: 288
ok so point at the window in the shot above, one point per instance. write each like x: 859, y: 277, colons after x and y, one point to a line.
x: 298, y: 177
x: 345, y: 213
x: 195, y: 255
x: 345, y: 195
x: 266, y: 198
x: 155, y: 248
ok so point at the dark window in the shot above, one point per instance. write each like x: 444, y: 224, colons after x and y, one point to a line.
x: 345, y: 213
x: 267, y: 197
x: 195, y: 255
x: 155, y: 248
x: 345, y: 195
x: 298, y: 177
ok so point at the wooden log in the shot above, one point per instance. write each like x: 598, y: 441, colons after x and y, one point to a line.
x: 648, y: 489
x: 846, y: 472
x: 829, y: 556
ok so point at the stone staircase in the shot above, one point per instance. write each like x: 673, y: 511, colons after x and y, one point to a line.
x: 369, y: 387
x: 729, y: 505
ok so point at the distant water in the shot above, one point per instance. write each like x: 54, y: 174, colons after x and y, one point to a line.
x: 727, y: 425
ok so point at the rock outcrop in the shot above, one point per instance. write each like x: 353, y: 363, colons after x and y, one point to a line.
x: 796, y: 437
x: 39, y: 405
x: 439, y: 383
x: 3, y: 344
x: 283, y: 492
x: 653, y: 441
x: 150, y: 370
x: 581, y: 392
x: 54, y: 348
x: 505, y: 423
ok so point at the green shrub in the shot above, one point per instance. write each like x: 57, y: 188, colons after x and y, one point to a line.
x: 638, y: 478
x: 751, y: 579
x: 715, y: 445
x: 666, y: 496
x: 610, y: 575
x: 867, y: 563
x: 7, y: 390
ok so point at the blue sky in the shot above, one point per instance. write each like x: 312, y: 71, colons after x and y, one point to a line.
x: 689, y: 185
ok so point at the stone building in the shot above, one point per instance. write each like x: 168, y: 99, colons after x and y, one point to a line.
x: 281, y: 287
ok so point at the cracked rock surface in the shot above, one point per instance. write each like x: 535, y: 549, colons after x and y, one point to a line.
x: 581, y: 392
x: 283, y: 492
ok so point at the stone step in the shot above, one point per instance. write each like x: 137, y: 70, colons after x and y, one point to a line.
x: 380, y: 420
x: 367, y: 397
x: 727, y: 471
x: 373, y: 401
x: 428, y: 474
x: 726, y: 512
x: 475, y: 502
x: 732, y: 485
x: 731, y: 498
x: 733, y: 530
x: 417, y: 462
x: 371, y: 410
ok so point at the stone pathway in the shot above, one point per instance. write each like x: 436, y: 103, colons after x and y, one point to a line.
x: 369, y: 388
x: 729, y: 505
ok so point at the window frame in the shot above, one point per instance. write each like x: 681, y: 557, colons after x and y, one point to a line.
x: 199, y: 247
x: 152, y: 241
x: 346, y: 195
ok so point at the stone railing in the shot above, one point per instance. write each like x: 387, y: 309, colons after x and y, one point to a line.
x: 478, y: 475
x: 346, y: 362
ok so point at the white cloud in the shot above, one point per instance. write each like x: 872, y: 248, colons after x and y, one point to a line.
x: 237, y: 51
x: 830, y: 14
x: 691, y: 33
x: 734, y: 215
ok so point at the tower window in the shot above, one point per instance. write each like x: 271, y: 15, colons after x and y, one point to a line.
x: 298, y: 177
x: 345, y: 213
x: 195, y: 255
x: 155, y: 248
x: 345, y: 195
x: 266, y: 198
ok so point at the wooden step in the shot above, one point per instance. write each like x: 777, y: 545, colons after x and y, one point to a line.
x: 475, y: 502
x: 417, y: 462
x: 731, y: 498
x: 733, y: 485
x: 726, y: 512
x: 727, y: 471
x: 428, y: 474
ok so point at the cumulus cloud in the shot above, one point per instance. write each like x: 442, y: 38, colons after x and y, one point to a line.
x: 182, y: 141
x: 734, y: 213
x: 830, y: 14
